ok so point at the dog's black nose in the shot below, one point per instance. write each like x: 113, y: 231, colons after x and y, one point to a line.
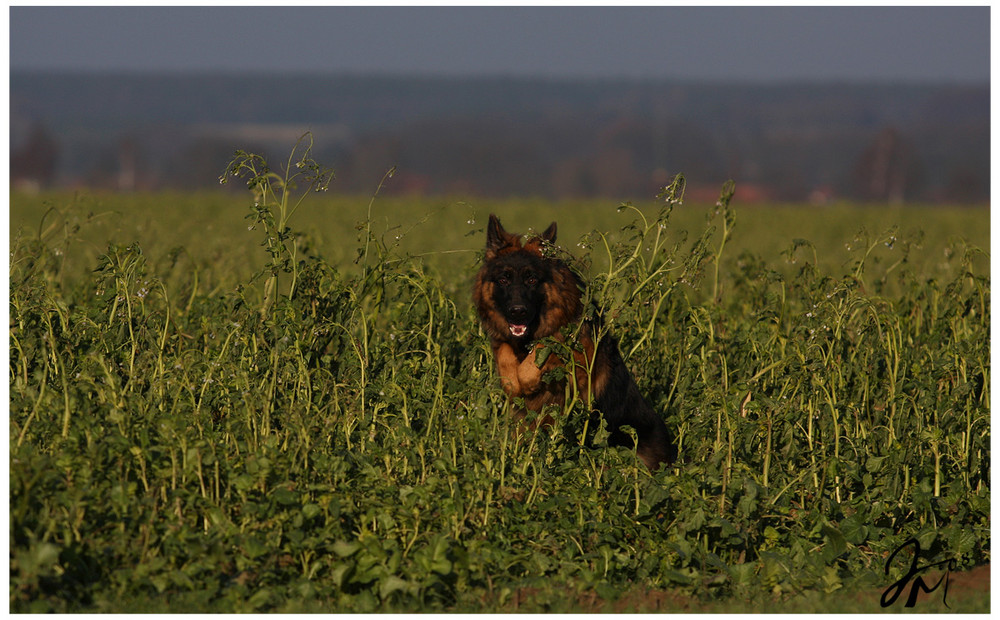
x: 518, y: 312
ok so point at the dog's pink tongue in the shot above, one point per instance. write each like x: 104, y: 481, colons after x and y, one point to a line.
x: 518, y: 330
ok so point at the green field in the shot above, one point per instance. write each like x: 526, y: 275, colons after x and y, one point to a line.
x: 212, y: 412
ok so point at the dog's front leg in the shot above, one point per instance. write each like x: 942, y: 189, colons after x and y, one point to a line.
x: 529, y: 374
x: 508, y: 366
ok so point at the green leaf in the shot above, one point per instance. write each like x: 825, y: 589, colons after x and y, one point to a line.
x: 259, y: 599
x: 390, y: 584
x: 311, y: 510
x: 854, y: 529
x: 345, y: 549
x: 285, y: 497
x: 253, y: 547
x: 835, y: 543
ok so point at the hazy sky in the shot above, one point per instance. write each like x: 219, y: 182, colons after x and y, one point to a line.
x: 732, y: 43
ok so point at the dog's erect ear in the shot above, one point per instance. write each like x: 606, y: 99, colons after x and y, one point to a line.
x: 550, y: 233
x: 496, y: 236
x: 536, y: 243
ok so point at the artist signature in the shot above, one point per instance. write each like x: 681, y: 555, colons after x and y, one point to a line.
x: 892, y: 592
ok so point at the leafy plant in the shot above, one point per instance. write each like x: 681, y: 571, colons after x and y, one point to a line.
x: 336, y: 441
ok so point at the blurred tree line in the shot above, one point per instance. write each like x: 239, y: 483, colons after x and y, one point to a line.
x: 503, y: 137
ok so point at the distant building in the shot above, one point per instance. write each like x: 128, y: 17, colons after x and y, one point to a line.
x: 33, y: 164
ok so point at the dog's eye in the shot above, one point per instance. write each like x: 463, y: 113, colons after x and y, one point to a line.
x: 532, y: 280
x: 502, y: 281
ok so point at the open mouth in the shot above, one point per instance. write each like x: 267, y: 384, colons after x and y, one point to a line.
x: 518, y: 330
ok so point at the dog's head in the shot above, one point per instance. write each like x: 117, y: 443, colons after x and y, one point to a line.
x: 511, y: 293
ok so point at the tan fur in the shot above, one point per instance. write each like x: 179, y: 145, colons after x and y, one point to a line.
x: 521, y: 377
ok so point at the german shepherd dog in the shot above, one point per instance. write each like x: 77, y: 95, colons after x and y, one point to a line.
x: 523, y: 296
